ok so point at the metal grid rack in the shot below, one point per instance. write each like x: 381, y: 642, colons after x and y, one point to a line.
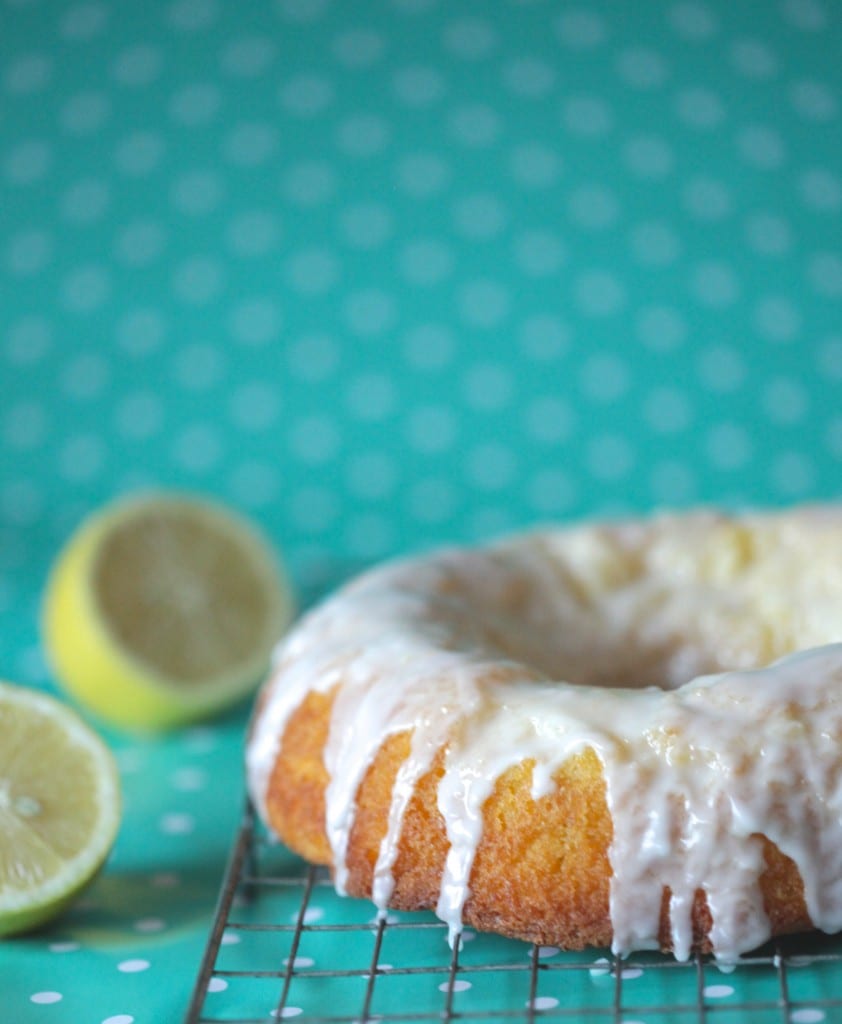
x: 271, y: 909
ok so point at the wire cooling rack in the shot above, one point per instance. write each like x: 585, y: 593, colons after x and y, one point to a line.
x: 283, y: 946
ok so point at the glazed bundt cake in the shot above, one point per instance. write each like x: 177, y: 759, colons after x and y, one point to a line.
x: 618, y: 734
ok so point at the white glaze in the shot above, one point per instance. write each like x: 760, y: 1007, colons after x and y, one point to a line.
x: 466, y: 650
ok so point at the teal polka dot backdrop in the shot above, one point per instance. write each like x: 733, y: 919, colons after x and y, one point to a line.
x: 383, y: 277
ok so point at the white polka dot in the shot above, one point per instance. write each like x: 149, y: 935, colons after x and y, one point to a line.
x: 768, y: 234
x: 715, y: 284
x: 189, y: 779
x: 148, y: 925
x: 721, y: 368
x: 139, y: 154
x: 610, y: 457
x: 64, y: 947
x: 369, y: 312
x: 371, y: 396
x: 85, y: 289
x: 27, y: 162
x: 580, y: 29
x: 140, y: 415
x: 363, y: 135
x: 358, y: 48
x: 824, y: 271
x: 604, y: 378
x: 255, y: 484
x: 255, y: 322
x: 196, y: 448
x: 29, y: 73
x: 288, y: 1011
x: 418, y: 86
x: 599, y: 293
x: 458, y: 985
x: 793, y: 474
x: 301, y: 12
x: 761, y: 147
x: 834, y: 437
x: 807, y: 15
x: 470, y: 38
x: 367, y: 225
x: 198, y: 367
x: 429, y: 347
x: 133, y: 966
x: 630, y: 973
x: 777, y: 319
x: 543, y: 1003
x: 369, y: 537
x: 195, y: 104
x: 300, y: 961
x: 84, y: 21
x: 45, y: 998
x: 217, y: 985
x: 700, y: 108
x: 432, y: 500
x: 587, y: 116
x: 601, y: 968
x: 137, y: 67
x: 197, y: 193
x: 421, y: 175
x: 648, y: 157
x: 81, y: 457
x: 829, y: 358
x: 717, y: 991
x: 661, y: 328
x: 807, y: 1016
x: 177, y: 823
x: 814, y: 101
x: 249, y: 56
x: 253, y: 233
x: 491, y: 467
x: 692, y: 21
x: 544, y: 337
x: 667, y: 410
x: 255, y: 406
x: 426, y: 262
x: 231, y: 938
x: 28, y: 341
x: 484, y: 304
x: 306, y: 96
x: 84, y: 113
x: 141, y: 332
x: 475, y: 125
x: 480, y: 216
x: 197, y: 280
x: 431, y: 429
x: 655, y: 244
x: 534, y: 165
x: 488, y: 387
x: 314, y: 439
x: 312, y: 270
x: 672, y: 483
x: 821, y: 189
x: 313, y: 357
x: 28, y: 252
x: 642, y: 68
x: 140, y: 242
x: 729, y: 446
x: 309, y: 183
x: 707, y: 199
x: 85, y: 201
x: 84, y: 376
x: 119, y: 1018
x: 371, y: 476
x: 539, y: 253
x: 594, y: 207
x: 549, y: 420
x: 754, y: 59
x: 192, y: 15
x: 529, y: 77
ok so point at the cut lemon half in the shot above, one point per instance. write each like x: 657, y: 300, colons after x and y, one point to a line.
x: 163, y: 609
x: 59, y: 806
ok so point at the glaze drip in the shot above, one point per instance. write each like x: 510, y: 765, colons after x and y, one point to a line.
x: 713, y: 704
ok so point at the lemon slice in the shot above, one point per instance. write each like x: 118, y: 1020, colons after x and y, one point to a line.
x: 59, y: 806
x: 164, y: 609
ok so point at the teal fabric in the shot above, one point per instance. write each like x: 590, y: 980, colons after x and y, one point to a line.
x: 385, y: 276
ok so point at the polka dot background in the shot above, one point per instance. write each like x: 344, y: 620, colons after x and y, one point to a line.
x: 381, y: 279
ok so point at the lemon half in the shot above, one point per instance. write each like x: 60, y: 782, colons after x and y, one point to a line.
x: 59, y: 806
x: 164, y: 609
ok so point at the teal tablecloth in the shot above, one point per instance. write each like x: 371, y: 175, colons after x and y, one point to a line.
x: 384, y: 275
